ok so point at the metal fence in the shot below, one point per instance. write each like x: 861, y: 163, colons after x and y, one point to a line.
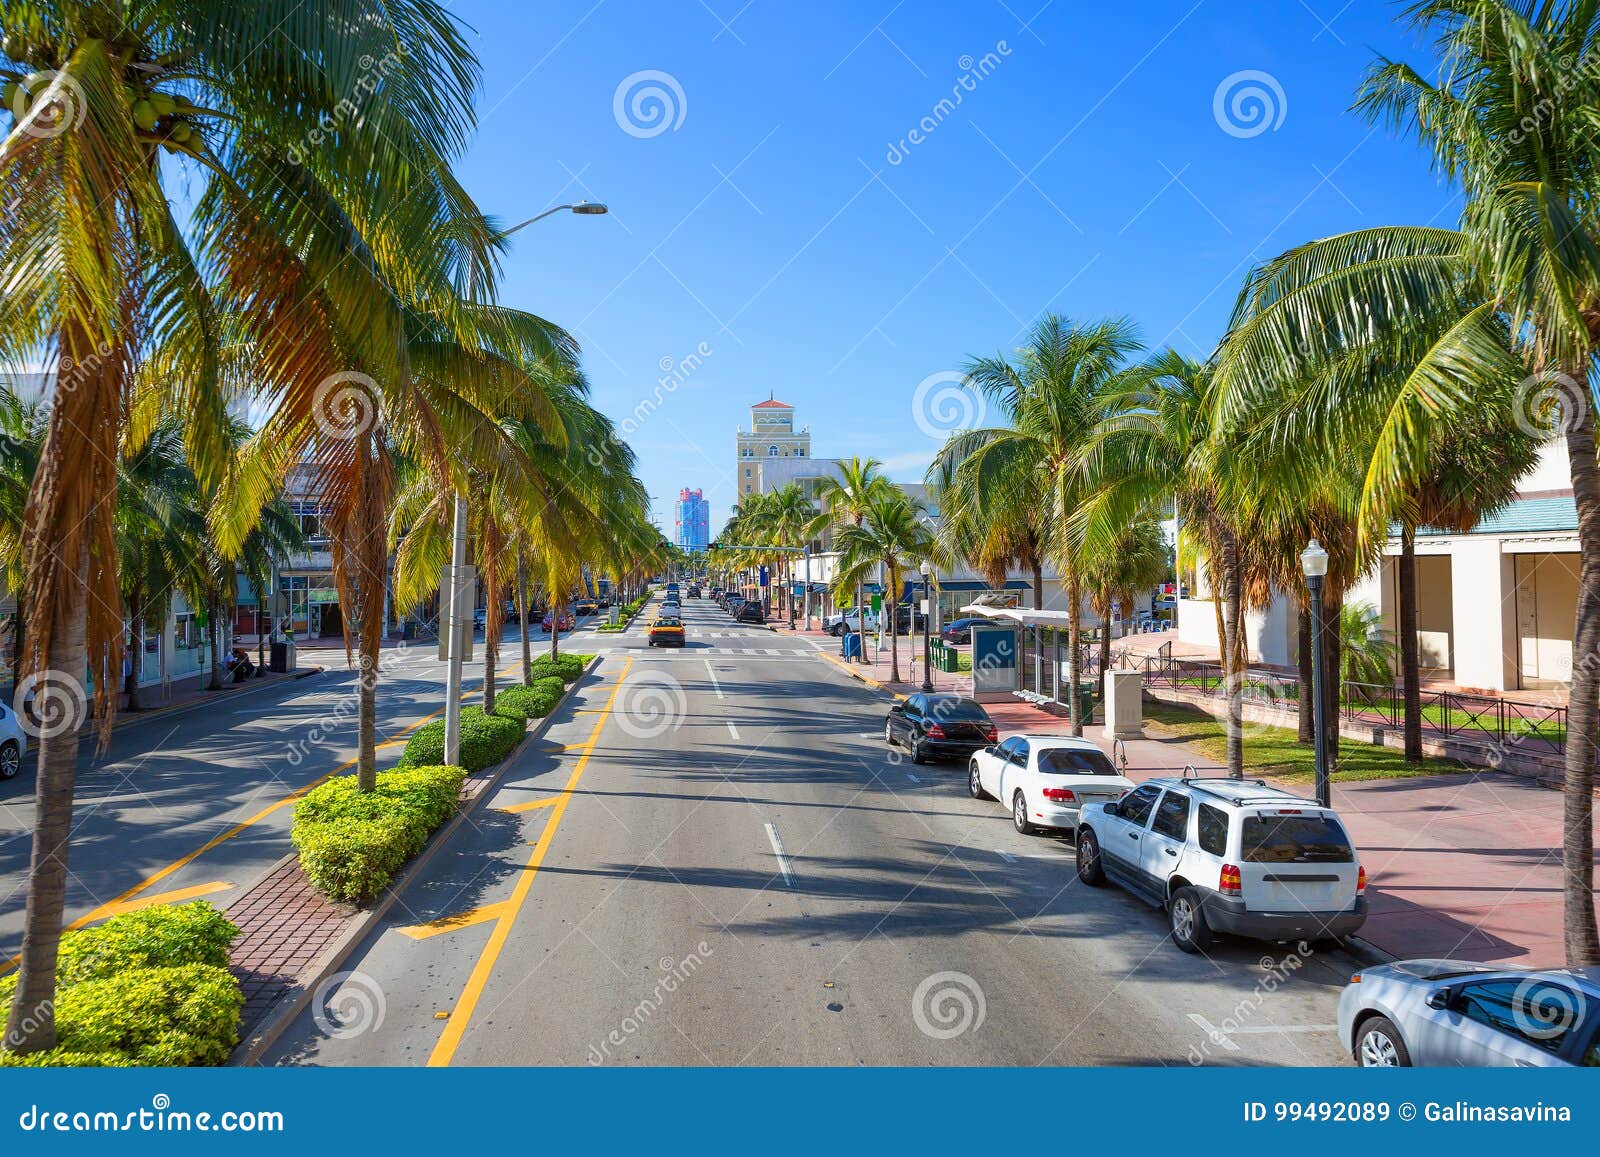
x: 1453, y: 714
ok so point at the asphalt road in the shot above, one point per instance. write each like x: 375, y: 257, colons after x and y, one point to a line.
x: 196, y: 801
x: 712, y: 858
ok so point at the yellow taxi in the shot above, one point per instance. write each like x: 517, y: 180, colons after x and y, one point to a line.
x: 667, y: 631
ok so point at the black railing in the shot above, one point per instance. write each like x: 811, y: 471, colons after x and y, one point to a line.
x: 1487, y: 719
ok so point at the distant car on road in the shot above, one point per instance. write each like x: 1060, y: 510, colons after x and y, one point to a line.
x: 13, y: 743
x: 750, y: 612
x: 587, y: 606
x: 939, y: 727
x: 1459, y: 1013
x: 667, y: 631
x: 1045, y: 780
x: 694, y: 592
x: 1227, y: 855
x: 959, y: 630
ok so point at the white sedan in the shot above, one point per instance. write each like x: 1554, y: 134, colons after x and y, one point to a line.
x: 13, y: 743
x: 1045, y: 779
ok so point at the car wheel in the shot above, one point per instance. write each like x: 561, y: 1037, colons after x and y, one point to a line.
x: 1378, y: 1046
x: 10, y: 759
x: 1190, y: 931
x: 917, y: 754
x: 888, y: 733
x: 1090, y: 870
x: 1019, y: 815
x: 975, y: 781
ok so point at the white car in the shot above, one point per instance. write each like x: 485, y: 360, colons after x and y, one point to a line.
x: 1227, y: 855
x: 1045, y: 780
x: 842, y: 622
x: 13, y: 743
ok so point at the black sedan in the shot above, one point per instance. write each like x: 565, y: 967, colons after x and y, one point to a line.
x: 939, y: 727
x: 959, y: 630
x: 750, y: 612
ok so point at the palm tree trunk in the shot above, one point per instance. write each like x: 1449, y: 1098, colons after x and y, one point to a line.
x: 522, y: 615
x: 1577, y: 821
x: 1410, y: 657
x: 367, y: 718
x: 1234, y: 676
x: 1105, y: 658
x: 1069, y: 577
x: 31, y: 1025
x: 136, y: 656
x: 214, y: 633
x: 1308, y: 722
x: 555, y: 629
x: 889, y: 612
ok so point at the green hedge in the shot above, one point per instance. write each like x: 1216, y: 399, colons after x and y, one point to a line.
x: 351, y: 843
x: 147, y: 988
x: 485, y: 740
x: 533, y: 701
x: 566, y: 667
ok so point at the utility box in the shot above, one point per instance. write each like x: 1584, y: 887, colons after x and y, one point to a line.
x: 1124, y: 704
x: 281, y: 659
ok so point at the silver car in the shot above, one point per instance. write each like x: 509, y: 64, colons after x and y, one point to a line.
x: 1456, y: 1012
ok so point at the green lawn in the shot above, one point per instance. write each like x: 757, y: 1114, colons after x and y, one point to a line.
x: 1275, y: 751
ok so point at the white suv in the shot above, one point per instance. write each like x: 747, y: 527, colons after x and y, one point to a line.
x: 1227, y: 855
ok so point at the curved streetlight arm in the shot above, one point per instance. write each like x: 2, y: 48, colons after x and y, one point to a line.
x: 587, y: 208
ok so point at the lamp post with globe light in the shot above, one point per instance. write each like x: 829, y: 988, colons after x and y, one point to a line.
x: 1314, y: 562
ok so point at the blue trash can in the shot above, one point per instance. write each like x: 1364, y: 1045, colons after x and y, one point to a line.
x: 851, y: 645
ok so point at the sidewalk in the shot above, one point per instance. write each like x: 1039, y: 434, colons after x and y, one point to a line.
x: 1464, y: 865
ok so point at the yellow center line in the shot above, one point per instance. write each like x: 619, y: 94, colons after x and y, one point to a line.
x: 450, y: 923
x: 531, y: 805
x: 456, y: 1026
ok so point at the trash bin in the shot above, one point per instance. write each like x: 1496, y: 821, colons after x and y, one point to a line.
x: 279, y: 661
x: 408, y: 631
x: 850, y: 645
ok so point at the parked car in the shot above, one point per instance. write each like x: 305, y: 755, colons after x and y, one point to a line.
x: 13, y: 743
x: 1456, y: 1012
x: 847, y: 620
x: 939, y: 727
x: 750, y: 612
x: 549, y: 621
x: 1045, y: 780
x: 1227, y: 855
x: 959, y: 630
x: 668, y: 631
x: 694, y: 592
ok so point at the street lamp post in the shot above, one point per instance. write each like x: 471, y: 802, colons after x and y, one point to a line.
x: 1314, y: 561
x: 927, y: 639
x: 455, y: 644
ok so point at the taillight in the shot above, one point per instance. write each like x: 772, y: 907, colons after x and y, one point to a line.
x: 935, y: 731
x: 1060, y: 794
x: 1361, y: 880
x: 991, y: 733
x: 1230, y: 883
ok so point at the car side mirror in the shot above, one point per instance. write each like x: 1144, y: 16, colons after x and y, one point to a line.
x: 1113, y: 809
x: 898, y: 709
x: 1441, y: 999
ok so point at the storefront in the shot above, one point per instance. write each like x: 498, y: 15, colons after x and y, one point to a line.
x: 310, y: 606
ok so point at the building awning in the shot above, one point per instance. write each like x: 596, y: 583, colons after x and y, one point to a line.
x: 974, y: 585
x: 1058, y: 619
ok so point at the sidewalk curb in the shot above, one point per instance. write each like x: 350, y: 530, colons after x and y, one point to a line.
x: 1367, y: 952
x: 289, y: 1007
x: 854, y: 674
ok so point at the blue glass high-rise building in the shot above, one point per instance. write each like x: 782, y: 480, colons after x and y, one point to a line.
x: 694, y: 520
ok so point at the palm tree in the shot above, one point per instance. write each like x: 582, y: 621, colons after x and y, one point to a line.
x: 844, y: 500
x: 891, y: 535
x: 1055, y: 398
x: 104, y: 278
x: 1134, y: 563
x: 1510, y: 121
x: 1366, y: 653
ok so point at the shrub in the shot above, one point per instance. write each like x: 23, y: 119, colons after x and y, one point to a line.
x: 485, y: 740
x: 534, y: 701
x: 352, y: 843
x: 147, y: 988
x: 567, y: 667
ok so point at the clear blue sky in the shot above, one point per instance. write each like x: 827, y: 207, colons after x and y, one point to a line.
x: 1085, y: 171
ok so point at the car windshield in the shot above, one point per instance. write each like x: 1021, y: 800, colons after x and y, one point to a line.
x: 1074, y: 761
x: 962, y: 710
x: 1281, y: 839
